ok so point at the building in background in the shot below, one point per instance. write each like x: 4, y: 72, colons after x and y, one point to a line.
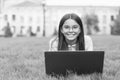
x: 29, y: 18
x: 24, y: 17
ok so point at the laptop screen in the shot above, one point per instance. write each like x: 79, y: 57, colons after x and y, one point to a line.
x: 78, y: 62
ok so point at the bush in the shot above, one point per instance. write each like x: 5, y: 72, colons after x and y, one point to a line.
x: 91, y: 21
x: 7, y: 31
x: 115, y: 29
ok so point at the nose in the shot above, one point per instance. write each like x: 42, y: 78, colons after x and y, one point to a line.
x: 70, y: 30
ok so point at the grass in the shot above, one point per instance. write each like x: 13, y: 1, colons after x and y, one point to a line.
x: 22, y: 58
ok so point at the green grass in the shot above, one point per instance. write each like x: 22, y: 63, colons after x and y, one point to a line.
x: 23, y: 59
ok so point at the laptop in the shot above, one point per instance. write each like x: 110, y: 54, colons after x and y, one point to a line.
x: 78, y: 62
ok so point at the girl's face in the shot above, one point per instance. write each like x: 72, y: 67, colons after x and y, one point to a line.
x: 70, y: 29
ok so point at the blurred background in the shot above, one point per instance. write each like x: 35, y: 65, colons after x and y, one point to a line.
x: 40, y: 18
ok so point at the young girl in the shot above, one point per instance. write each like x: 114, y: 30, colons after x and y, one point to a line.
x: 71, y: 35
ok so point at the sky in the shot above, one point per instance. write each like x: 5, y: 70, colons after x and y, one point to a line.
x: 72, y: 2
x: 84, y: 2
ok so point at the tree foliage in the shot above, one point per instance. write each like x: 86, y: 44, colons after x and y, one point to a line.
x: 91, y: 21
x: 7, y: 31
x: 116, y: 27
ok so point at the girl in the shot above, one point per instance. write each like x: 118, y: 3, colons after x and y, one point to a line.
x: 71, y: 35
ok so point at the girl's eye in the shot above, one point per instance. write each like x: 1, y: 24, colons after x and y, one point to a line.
x: 66, y: 27
x: 74, y: 27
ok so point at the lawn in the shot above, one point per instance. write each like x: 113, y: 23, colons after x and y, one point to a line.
x: 22, y: 58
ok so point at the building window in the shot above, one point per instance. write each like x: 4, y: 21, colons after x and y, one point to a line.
x: 104, y: 19
x: 22, y: 19
x: 6, y: 17
x: 30, y: 19
x: 112, y: 18
x: 13, y: 17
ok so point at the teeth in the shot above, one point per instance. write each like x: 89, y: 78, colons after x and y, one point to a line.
x: 71, y: 35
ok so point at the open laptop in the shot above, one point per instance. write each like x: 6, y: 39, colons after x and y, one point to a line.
x: 78, y: 62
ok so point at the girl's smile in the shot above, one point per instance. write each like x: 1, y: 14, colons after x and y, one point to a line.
x: 70, y: 35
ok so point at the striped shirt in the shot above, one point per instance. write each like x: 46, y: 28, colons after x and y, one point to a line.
x: 53, y: 44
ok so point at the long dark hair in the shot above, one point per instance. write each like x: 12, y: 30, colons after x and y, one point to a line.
x: 62, y: 44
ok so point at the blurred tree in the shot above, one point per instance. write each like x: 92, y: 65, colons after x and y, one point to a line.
x: 91, y: 21
x: 30, y: 32
x: 7, y: 30
x: 115, y: 29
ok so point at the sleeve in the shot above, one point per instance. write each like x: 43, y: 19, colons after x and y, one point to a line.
x: 88, y: 43
x: 53, y: 43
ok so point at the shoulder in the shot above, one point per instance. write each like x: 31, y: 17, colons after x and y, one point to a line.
x: 53, y: 41
x: 87, y: 38
x: 88, y: 43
